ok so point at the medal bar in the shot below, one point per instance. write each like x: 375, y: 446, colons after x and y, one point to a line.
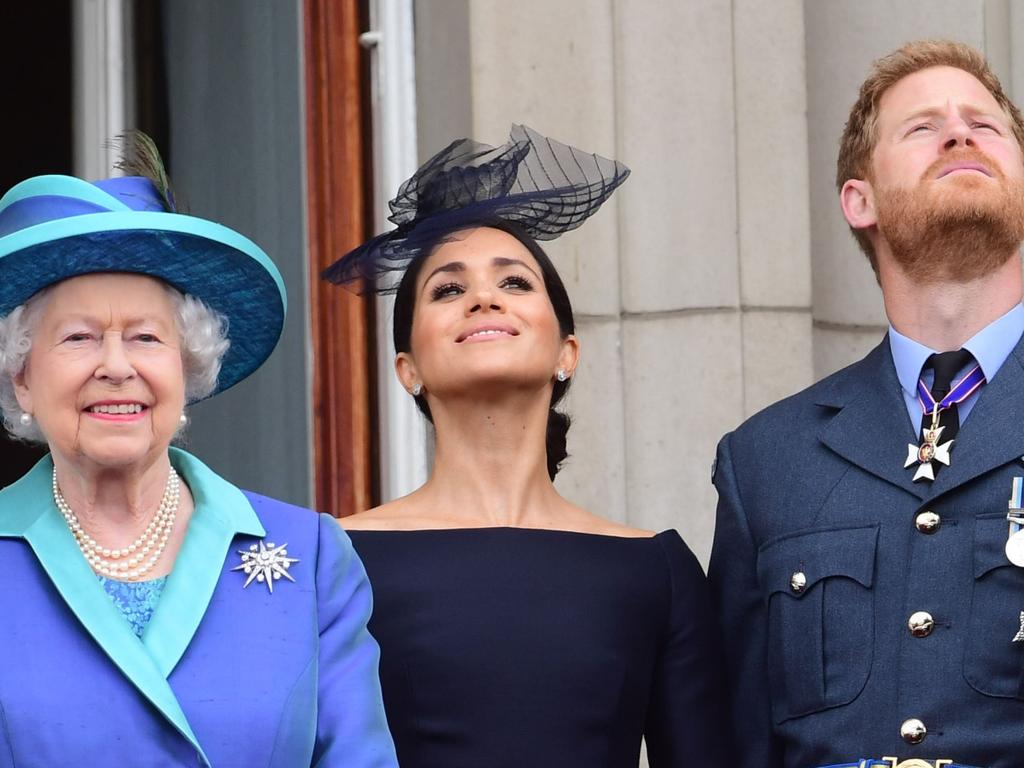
x: 1015, y: 517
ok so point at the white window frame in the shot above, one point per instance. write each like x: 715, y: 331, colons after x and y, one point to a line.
x: 403, y: 459
x: 103, y: 83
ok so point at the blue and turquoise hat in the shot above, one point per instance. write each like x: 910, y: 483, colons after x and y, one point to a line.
x: 56, y: 227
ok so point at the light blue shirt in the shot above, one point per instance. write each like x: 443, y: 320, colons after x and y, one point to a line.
x: 990, y: 347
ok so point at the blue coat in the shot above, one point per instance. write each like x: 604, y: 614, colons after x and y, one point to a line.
x: 223, y: 676
x: 828, y: 672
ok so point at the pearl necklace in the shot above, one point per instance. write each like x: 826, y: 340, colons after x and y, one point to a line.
x: 129, y: 562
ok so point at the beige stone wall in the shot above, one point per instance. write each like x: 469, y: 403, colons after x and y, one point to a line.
x: 721, y: 277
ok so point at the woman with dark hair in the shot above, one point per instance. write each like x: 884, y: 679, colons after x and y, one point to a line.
x: 517, y: 629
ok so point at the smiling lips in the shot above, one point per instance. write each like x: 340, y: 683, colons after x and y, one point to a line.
x: 117, y: 411
x: 487, y: 333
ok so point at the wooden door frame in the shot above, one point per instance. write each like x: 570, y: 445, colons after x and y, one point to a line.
x: 341, y: 321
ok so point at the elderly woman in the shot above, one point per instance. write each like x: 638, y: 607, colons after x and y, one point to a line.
x: 516, y: 628
x: 155, y: 614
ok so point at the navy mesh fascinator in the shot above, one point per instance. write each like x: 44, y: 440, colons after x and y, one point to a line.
x: 544, y: 187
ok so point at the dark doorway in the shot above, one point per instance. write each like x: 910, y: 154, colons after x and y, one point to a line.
x: 36, y: 136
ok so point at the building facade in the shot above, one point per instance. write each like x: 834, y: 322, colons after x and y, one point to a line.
x: 720, y: 278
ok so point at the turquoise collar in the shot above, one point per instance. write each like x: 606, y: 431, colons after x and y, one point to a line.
x: 221, y: 512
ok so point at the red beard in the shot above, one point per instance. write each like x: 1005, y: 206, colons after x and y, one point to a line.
x: 953, y: 230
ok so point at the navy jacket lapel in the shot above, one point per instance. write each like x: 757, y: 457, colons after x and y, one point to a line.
x: 871, y: 428
x: 993, y: 433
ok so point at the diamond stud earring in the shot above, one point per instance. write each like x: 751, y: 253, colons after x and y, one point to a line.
x: 417, y: 388
x: 562, y: 375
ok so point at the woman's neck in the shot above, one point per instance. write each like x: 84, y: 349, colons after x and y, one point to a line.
x: 490, y: 463
x: 112, y: 503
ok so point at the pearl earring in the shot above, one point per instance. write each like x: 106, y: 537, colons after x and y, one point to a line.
x: 182, y: 420
x: 562, y: 375
x: 25, y: 419
x: 417, y: 388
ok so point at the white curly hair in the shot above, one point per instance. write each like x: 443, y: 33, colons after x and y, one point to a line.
x: 204, y: 341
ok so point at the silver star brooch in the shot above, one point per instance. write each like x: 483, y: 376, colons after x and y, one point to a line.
x: 265, y: 563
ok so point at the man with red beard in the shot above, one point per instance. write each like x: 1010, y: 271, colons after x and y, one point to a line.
x: 869, y: 579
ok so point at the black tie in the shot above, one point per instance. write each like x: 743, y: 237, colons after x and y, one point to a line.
x: 946, y: 366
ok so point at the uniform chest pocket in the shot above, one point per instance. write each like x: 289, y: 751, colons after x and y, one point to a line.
x: 993, y: 662
x: 818, y: 585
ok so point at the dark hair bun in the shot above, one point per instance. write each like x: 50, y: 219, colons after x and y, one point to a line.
x: 558, y: 429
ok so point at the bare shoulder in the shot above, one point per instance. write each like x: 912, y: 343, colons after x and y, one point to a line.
x: 588, y: 522
x: 384, y: 517
x: 408, y: 513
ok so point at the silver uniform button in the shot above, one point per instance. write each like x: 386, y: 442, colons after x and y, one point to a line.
x: 798, y: 582
x: 913, y: 731
x: 921, y: 624
x: 927, y: 522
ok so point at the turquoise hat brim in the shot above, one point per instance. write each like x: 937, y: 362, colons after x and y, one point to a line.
x: 224, y: 269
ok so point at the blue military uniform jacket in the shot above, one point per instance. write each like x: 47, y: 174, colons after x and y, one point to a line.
x: 223, y: 676
x: 821, y: 556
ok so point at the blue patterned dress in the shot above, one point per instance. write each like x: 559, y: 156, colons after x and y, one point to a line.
x: 136, y: 600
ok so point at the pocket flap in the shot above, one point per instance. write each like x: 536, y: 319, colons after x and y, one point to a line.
x: 990, y: 534
x: 817, y: 554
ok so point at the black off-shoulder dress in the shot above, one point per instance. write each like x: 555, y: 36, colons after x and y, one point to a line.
x: 525, y: 648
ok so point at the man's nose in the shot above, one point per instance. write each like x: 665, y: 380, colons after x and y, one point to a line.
x: 957, y: 133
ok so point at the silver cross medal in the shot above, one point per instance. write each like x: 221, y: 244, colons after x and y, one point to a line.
x: 929, y: 450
